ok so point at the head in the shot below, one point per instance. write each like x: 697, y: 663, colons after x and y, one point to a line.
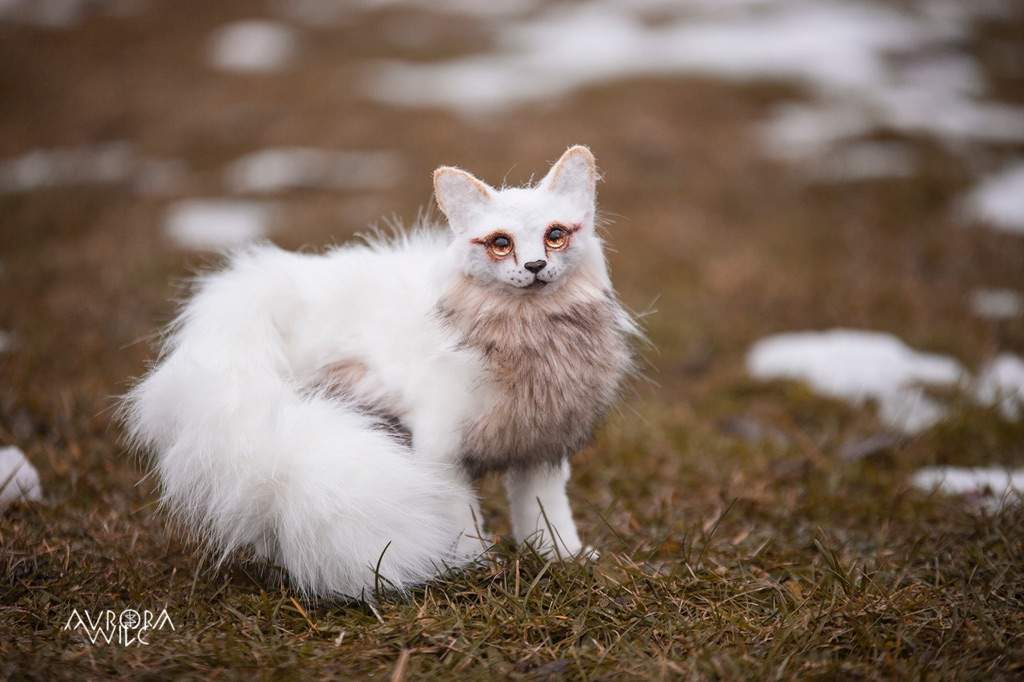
x: 529, y: 240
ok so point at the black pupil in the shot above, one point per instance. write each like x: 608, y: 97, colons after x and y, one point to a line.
x: 501, y: 242
x: 555, y: 235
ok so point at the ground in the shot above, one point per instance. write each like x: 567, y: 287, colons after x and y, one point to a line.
x: 736, y: 541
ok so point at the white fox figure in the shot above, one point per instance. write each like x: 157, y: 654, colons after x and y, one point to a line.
x: 332, y: 411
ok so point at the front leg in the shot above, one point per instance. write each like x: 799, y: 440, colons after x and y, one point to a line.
x: 539, y: 508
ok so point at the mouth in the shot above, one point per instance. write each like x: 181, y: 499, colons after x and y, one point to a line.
x: 537, y: 283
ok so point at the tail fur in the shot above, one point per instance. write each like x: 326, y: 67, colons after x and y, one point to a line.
x: 247, y: 459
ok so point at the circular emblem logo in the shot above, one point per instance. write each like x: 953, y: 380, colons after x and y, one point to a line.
x: 130, y: 619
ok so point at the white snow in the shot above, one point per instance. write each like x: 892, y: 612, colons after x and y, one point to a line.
x: 329, y: 12
x: 283, y: 168
x: 945, y: 115
x: 999, y: 199
x: 808, y: 130
x: 19, y: 480
x: 110, y: 163
x: 824, y: 44
x: 866, y: 65
x: 997, y: 304
x: 859, y: 365
x: 836, y: 47
x: 253, y: 46
x: 216, y: 224
x: 98, y: 164
x: 990, y: 486
x: 1001, y: 382
x: 797, y: 132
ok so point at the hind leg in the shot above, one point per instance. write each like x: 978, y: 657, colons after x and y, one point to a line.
x: 436, y: 438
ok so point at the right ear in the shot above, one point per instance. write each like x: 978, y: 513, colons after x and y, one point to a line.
x: 460, y: 196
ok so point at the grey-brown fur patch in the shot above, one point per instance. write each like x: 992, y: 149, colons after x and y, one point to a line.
x: 347, y: 379
x: 343, y: 376
x: 556, y: 362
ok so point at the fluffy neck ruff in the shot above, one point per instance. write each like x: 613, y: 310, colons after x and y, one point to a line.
x: 554, y: 363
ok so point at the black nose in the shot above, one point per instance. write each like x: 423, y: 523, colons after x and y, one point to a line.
x: 535, y: 266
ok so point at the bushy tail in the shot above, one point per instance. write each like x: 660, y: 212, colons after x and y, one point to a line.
x: 245, y: 458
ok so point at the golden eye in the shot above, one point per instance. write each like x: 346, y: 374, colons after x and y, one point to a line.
x: 500, y: 245
x: 556, y: 238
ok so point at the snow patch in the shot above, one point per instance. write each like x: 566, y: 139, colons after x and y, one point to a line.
x: 827, y: 45
x: 330, y: 12
x: 794, y: 132
x: 99, y: 164
x: 857, y: 366
x: 989, y: 486
x: 999, y: 199
x: 798, y: 132
x: 111, y: 163
x: 216, y: 225
x: 1001, y: 382
x: 997, y: 304
x: 19, y: 480
x: 253, y: 46
x: 273, y: 170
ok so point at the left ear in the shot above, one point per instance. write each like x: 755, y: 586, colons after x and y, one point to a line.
x: 460, y: 196
x: 574, y: 176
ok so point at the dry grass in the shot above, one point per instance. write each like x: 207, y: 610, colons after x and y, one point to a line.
x: 723, y: 555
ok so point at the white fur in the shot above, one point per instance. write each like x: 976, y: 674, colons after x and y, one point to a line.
x: 539, y: 507
x: 251, y: 453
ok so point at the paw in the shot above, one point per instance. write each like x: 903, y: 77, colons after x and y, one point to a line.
x: 582, y: 553
x: 566, y: 551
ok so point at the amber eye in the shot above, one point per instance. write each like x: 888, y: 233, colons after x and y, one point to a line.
x: 500, y: 245
x: 556, y: 238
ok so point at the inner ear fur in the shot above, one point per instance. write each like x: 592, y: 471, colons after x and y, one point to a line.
x: 575, y: 174
x: 460, y: 195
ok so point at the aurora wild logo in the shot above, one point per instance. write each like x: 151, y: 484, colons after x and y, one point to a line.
x: 128, y: 627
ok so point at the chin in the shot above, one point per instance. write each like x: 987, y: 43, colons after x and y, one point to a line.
x: 546, y: 288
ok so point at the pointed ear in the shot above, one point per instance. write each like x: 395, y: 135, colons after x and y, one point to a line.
x: 460, y: 196
x: 574, y: 175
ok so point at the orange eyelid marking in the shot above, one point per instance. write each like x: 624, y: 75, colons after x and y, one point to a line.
x: 486, y: 242
x: 487, y: 238
x: 569, y: 230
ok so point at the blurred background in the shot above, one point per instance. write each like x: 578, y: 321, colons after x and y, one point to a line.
x: 818, y: 205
